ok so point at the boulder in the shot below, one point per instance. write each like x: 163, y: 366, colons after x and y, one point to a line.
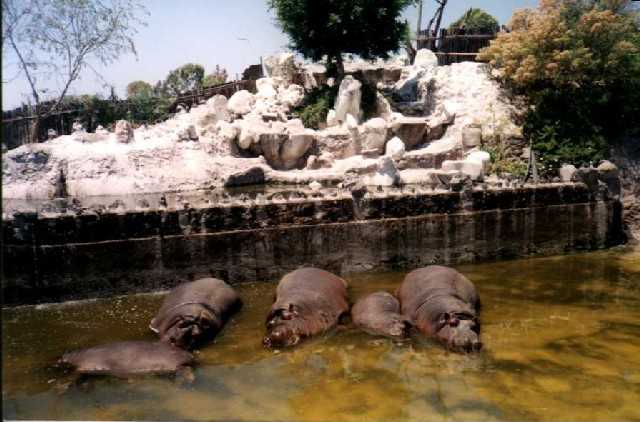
x: 227, y: 131
x: 52, y: 133
x: 609, y: 174
x: 438, y: 125
x: 241, y: 102
x: 250, y: 129
x: 266, y: 88
x: 269, y: 144
x: 472, y: 136
x: 567, y: 172
x: 292, y: 96
x: 410, y: 129
x: 251, y: 176
x: 395, y: 148
x: 482, y: 157
x: 406, y: 89
x: 218, y: 106
x: 124, y: 131
x: 294, y: 148
x: 338, y: 141
x: 282, y: 67
x: 348, y: 99
x: 325, y: 160
x: 373, y: 135
x: 425, y: 58
x: 386, y: 173
x: 470, y: 168
x: 315, y: 186
x: 589, y: 176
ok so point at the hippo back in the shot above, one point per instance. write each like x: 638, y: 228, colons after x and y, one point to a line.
x: 189, y: 297
x: 314, y: 291
x: 128, y: 358
x: 423, y: 284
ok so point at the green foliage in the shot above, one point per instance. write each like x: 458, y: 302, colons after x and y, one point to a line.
x: 476, y: 21
x: 316, y: 105
x: 187, y: 77
x: 368, y: 28
x: 148, y: 108
x: 137, y: 88
x: 578, y: 64
x: 217, y: 77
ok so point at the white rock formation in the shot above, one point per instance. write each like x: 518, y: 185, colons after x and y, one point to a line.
x: 282, y: 67
x: 567, y: 172
x: 373, y: 135
x: 386, y: 173
x: 348, y: 100
x: 241, y: 102
x: 426, y: 59
x: 124, y: 131
x: 153, y: 160
x: 395, y: 148
x: 291, y: 96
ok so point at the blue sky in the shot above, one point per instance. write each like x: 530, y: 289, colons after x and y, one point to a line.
x: 207, y: 32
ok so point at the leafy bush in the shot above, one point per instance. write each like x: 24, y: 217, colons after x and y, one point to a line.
x: 217, y: 77
x: 578, y: 64
x: 139, y: 88
x: 316, y: 105
x: 476, y: 21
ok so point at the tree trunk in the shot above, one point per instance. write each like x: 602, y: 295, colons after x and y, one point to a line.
x: 339, y: 68
x: 35, y: 129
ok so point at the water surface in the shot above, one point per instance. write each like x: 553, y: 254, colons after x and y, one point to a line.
x: 561, y: 335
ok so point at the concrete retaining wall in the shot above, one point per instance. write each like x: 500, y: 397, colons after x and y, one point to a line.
x: 97, y: 254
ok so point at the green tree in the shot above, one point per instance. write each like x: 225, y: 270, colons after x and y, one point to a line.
x: 61, y: 37
x: 139, y: 88
x: 187, y: 77
x: 476, y: 21
x: 331, y: 28
x: 578, y: 63
x: 217, y: 77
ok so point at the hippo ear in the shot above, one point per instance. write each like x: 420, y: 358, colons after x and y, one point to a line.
x: 205, y: 315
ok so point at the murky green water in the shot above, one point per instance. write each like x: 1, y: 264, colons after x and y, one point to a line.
x: 562, y: 342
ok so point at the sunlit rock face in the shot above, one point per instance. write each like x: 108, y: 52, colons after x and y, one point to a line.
x: 437, y: 113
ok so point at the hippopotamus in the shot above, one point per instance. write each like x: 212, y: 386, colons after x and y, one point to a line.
x: 379, y: 314
x: 442, y: 304
x: 195, y: 312
x: 127, y: 358
x: 309, y: 301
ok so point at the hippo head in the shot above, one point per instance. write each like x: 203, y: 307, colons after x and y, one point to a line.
x: 187, y: 330
x: 400, y: 329
x: 459, y: 331
x: 284, y: 328
x: 68, y: 359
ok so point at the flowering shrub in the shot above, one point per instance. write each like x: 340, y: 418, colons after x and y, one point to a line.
x: 578, y: 63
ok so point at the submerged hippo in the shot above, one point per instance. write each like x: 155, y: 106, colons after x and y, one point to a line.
x: 127, y: 358
x: 309, y: 301
x: 442, y: 304
x: 379, y: 314
x: 195, y: 312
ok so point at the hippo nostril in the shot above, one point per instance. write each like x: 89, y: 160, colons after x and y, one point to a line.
x: 266, y: 342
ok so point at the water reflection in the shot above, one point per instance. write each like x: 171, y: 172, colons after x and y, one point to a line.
x: 561, y: 338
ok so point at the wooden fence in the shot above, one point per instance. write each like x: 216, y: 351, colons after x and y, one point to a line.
x: 454, y: 47
x: 17, y: 123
